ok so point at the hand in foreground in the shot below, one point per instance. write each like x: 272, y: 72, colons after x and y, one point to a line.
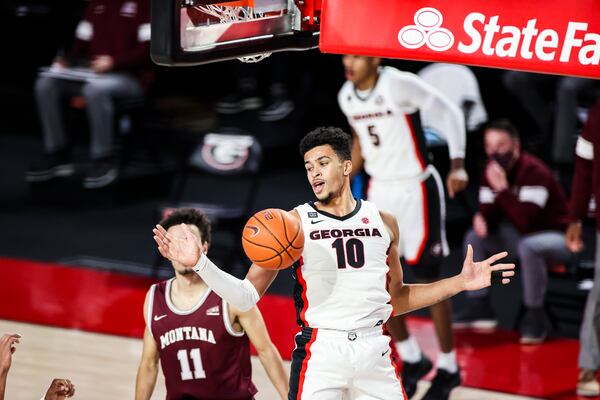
x: 60, y: 63
x: 480, y: 225
x: 7, y: 349
x: 496, y: 176
x: 184, y: 250
x: 60, y: 389
x: 478, y: 275
x: 102, y: 64
x: 573, y: 237
x: 457, y: 181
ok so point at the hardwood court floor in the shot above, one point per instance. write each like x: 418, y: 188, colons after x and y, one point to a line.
x: 104, y: 366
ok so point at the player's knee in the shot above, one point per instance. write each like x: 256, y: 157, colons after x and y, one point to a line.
x: 44, y: 84
x: 569, y: 85
x: 471, y: 238
x: 525, y: 248
x: 93, y: 91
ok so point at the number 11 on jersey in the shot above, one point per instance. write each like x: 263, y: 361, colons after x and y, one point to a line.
x: 186, y: 373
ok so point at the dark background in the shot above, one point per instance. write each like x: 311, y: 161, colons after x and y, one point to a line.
x: 111, y: 228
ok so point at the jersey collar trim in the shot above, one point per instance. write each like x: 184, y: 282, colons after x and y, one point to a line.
x: 366, y: 97
x: 342, y: 218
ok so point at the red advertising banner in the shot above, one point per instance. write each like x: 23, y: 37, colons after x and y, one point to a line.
x: 548, y: 36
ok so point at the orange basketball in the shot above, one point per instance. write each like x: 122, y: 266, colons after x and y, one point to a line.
x: 273, y: 239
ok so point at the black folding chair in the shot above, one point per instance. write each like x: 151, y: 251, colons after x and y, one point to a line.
x: 220, y: 179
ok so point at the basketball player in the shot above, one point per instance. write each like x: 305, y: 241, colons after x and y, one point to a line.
x: 348, y: 281
x: 383, y: 106
x: 202, y: 342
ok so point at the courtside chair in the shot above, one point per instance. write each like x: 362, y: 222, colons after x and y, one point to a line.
x: 220, y: 178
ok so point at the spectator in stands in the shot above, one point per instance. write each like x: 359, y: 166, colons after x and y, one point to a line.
x: 59, y: 388
x: 255, y: 82
x: 523, y: 209
x: 586, y: 182
x: 113, y: 40
x: 552, y: 102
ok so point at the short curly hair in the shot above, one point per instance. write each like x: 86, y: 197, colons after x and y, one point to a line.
x: 189, y: 216
x: 503, y: 124
x: 340, y: 141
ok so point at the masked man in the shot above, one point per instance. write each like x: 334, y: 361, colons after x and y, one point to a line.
x: 524, y: 210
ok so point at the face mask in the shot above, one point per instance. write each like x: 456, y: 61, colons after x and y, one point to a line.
x: 504, y: 159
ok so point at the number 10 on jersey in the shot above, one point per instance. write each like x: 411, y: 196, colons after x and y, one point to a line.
x: 352, y: 253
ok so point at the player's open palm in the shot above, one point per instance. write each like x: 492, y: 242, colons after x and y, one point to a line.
x: 184, y: 250
x: 478, y: 275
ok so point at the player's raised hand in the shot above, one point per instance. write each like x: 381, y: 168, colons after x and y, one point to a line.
x: 7, y: 348
x: 60, y: 389
x: 185, y: 250
x: 573, y: 237
x: 478, y: 275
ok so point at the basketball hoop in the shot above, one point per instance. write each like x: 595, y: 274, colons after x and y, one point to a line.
x: 238, y: 11
x: 196, y: 32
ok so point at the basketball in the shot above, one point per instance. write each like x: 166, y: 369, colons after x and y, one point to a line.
x: 273, y: 239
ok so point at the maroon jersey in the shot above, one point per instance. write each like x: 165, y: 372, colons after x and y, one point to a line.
x: 533, y: 202
x: 586, y: 179
x: 202, y: 357
x: 120, y: 29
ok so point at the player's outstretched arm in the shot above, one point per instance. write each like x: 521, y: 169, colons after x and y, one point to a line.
x: 187, y: 250
x: 474, y: 276
x: 148, y: 369
x: 255, y: 328
x: 7, y: 349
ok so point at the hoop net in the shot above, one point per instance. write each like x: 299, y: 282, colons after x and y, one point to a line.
x: 229, y: 14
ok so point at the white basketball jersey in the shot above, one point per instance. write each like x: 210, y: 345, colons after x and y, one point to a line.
x: 342, y: 276
x: 388, y: 124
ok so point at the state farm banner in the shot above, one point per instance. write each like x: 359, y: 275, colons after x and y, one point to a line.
x: 550, y: 36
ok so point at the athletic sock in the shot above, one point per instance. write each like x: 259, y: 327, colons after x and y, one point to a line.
x: 447, y: 362
x: 409, y: 350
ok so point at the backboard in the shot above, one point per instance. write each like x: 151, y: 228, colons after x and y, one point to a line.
x: 193, y: 32
x: 548, y: 36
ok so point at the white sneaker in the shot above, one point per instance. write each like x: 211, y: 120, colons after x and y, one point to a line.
x: 587, y: 384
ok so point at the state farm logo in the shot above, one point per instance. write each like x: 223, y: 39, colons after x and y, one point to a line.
x: 487, y: 35
x: 427, y: 30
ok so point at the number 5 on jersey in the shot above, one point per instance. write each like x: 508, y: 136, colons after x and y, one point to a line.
x: 186, y: 373
x: 373, y: 135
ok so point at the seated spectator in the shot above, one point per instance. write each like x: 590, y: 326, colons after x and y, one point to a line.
x: 113, y: 44
x: 59, y: 389
x: 586, y: 182
x: 522, y: 209
x: 255, y: 82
